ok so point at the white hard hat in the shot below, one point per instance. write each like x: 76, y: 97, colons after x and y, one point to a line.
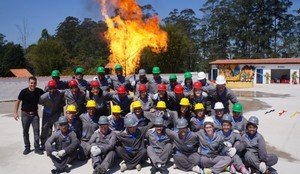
x: 219, y: 105
x: 201, y: 75
x: 220, y: 80
x: 209, y: 120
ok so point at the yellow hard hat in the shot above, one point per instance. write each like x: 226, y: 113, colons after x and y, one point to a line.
x: 184, y: 102
x: 71, y: 108
x: 161, y: 104
x: 116, y: 109
x: 136, y: 104
x: 199, y: 106
x: 91, y: 104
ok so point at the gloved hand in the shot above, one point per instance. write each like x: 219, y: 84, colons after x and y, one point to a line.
x: 236, y: 131
x: 204, y: 94
x: 61, y: 153
x: 262, y: 167
x: 227, y: 144
x: 95, y: 150
x: 133, y: 83
x: 231, y: 151
x: 55, y: 154
x: 155, y: 96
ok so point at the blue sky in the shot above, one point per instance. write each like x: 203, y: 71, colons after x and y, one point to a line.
x: 40, y: 14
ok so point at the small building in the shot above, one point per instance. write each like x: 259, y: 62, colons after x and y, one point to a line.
x: 19, y: 73
x: 246, y: 72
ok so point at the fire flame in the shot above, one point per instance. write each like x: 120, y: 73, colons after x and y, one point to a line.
x: 128, y: 33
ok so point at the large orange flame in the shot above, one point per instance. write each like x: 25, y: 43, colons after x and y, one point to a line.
x: 128, y: 33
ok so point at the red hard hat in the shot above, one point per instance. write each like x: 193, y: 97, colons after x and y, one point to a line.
x: 178, y: 89
x: 52, y: 83
x: 95, y: 83
x: 162, y: 87
x: 121, y: 90
x: 142, y: 87
x: 197, y: 85
x: 73, y: 83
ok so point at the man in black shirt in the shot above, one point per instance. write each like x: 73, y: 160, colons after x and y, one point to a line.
x: 29, y: 113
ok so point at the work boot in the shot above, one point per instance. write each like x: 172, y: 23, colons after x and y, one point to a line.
x: 54, y: 171
x: 153, y: 170
x: 164, y: 170
x: 138, y: 167
x: 26, y: 151
x: 38, y: 151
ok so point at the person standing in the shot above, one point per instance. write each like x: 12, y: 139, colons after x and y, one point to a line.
x: 120, y: 79
x: 105, y: 83
x: 61, y: 85
x: 82, y: 83
x: 156, y: 80
x: 29, y: 97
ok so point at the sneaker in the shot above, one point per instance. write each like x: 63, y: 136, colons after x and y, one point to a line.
x: 245, y: 171
x: 38, y: 151
x: 197, y: 169
x: 138, y: 167
x: 207, y: 171
x: 26, y: 151
x: 54, y: 171
x: 123, y: 166
x: 232, y: 169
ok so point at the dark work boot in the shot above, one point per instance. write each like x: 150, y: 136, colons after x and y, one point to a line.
x: 153, y: 170
x: 26, y: 151
x: 164, y: 170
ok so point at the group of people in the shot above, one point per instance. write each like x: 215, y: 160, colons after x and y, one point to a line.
x: 188, y: 121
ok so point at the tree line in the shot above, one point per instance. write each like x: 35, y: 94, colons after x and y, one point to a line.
x: 228, y: 29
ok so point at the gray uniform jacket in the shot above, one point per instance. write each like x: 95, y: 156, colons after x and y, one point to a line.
x: 158, y: 143
x: 101, y: 101
x: 142, y: 121
x: 124, y: 103
x: 218, y: 123
x: 89, y: 126
x: 68, y: 142
x: 197, y: 124
x: 147, y: 104
x: 170, y: 117
x: 240, y: 124
x: 153, y: 84
x: 136, y: 87
x: 224, y: 98
x: 257, y: 145
x: 116, y: 127
x: 234, y: 138
x: 186, y: 146
x: 120, y: 81
x: 53, y: 106
x: 78, y: 100
x: 210, y: 147
x: 105, y: 142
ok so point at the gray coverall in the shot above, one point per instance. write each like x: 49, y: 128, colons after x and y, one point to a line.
x: 186, y: 155
x: 160, y: 148
x: 240, y: 124
x: 78, y: 100
x: 196, y: 123
x: 169, y: 117
x: 57, y: 142
x: 120, y: 81
x: 211, y: 150
x: 256, y: 151
x: 102, y: 107
x: 218, y: 122
x: 224, y: 98
x: 147, y: 104
x: 153, y: 84
x: 124, y: 103
x: 107, y: 144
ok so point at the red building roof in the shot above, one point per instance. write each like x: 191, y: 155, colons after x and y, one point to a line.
x: 20, y: 73
x: 258, y: 61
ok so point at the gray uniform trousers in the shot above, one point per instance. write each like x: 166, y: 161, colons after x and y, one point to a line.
x: 160, y: 157
x: 252, y: 160
x: 33, y: 119
x: 132, y: 158
x: 104, y: 160
x: 61, y: 164
x: 216, y: 164
x: 186, y: 162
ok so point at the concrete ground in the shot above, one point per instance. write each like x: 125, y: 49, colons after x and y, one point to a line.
x: 280, y: 132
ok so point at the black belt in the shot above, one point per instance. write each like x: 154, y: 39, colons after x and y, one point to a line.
x: 30, y: 113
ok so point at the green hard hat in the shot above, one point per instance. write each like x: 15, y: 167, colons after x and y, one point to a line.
x: 55, y: 73
x: 156, y: 70
x: 237, y: 107
x: 118, y: 66
x: 100, y: 69
x: 172, y: 77
x: 187, y: 75
x: 79, y: 70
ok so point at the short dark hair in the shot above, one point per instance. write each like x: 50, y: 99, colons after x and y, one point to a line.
x: 32, y: 78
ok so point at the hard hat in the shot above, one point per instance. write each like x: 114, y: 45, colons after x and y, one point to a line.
x: 71, y: 108
x: 91, y: 104
x: 201, y: 75
x: 161, y: 104
x: 95, y: 84
x: 73, y: 83
x: 155, y: 70
x: 158, y: 121
x: 100, y: 69
x: 227, y: 117
x: 220, y: 80
x: 253, y: 120
x: 197, y: 85
x: 181, y: 123
x: 130, y: 122
x: 103, y: 120
x: 172, y: 77
x: 184, y: 102
x: 55, y: 73
x: 118, y: 66
x: 209, y: 120
x: 237, y: 107
x: 136, y: 104
x: 52, y: 83
x: 178, y: 89
x: 142, y: 87
x: 121, y: 90
x: 116, y: 109
x: 79, y: 70
x: 219, y: 105
x: 199, y: 106
x: 162, y: 87
x: 187, y: 75
x: 142, y: 72
x: 62, y: 120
